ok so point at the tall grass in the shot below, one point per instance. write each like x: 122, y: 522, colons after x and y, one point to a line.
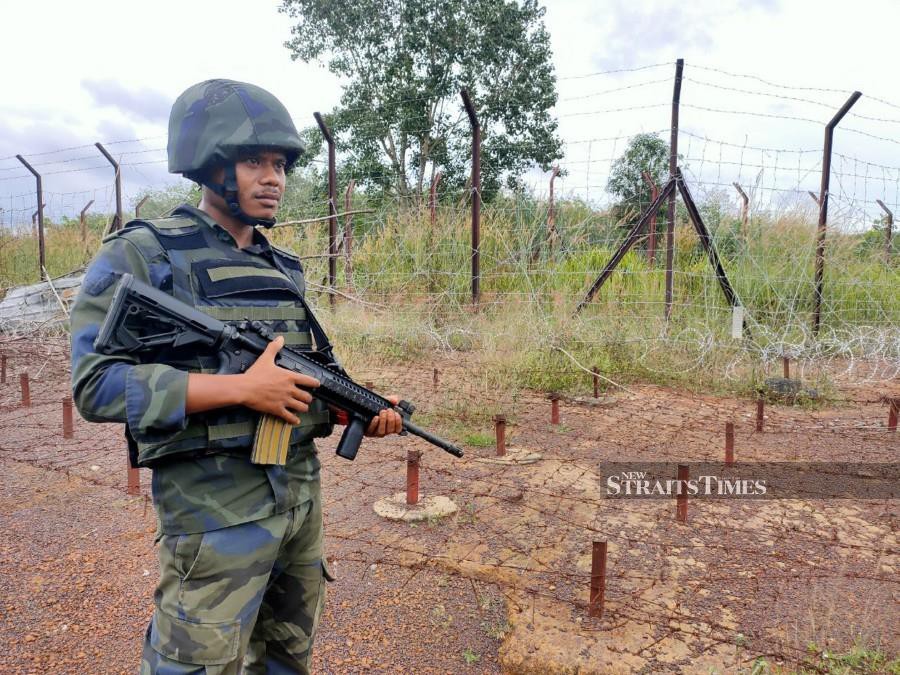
x: 415, y: 275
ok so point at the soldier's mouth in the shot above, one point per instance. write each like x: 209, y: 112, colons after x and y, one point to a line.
x: 268, y: 200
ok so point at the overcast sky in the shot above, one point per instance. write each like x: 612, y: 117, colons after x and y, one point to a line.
x: 79, y: 72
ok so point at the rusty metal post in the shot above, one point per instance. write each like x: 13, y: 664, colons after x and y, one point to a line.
x: 82, y: 221
x: 332, y: 205
x: 67, y: 421
x: 682, y: 496
x: 745, y: 210
x: 42, y: 258
x: 434, y: 378
x: 137, y: 207
x: 551, y: 211
x: 432, y: 197
x: 670, y: 212
x: 823, y: 209
x: 598, y: 579
x: 476, y: 197
x: 888, y: 231
x: 348, y: 233
x: 892, y: 413
x: 500, y: 428
x: 117, y: 221
x: 134, y: 480
x: 760, y: 412
x: 651, y: 242
x: 554, y: 408
x: 34, y: 218
x: 596, y: 378
x: 786, y: 367
x: 729, y: 443
x: 2, y: 368
x: 26, y: 390
x: 412, y: 476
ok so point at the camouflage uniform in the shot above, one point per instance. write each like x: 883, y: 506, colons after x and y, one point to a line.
x: 242, y: 568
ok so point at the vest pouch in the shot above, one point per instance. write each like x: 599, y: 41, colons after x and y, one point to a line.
x: 230, y: 285
x: 234, y: 291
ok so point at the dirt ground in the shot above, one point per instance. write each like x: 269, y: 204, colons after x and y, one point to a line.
x: 502, y: 586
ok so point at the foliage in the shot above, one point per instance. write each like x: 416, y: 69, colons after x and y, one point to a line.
x: 645, y: 152
x: 400, y: 119
x: 161, y: 201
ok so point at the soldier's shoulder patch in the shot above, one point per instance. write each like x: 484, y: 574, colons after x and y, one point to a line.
x: 171, y: 225
x: 140, y: 236
x: 285, y: 253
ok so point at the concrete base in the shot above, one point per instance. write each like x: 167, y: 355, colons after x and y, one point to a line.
x: 428, y: 508
x: 513, y: 456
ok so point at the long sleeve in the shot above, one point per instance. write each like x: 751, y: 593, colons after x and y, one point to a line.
x: 149, y: 397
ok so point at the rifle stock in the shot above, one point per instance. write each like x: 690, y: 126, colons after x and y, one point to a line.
x: 142, y: 319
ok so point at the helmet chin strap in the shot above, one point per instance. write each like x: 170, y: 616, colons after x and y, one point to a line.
x: 228, y: 190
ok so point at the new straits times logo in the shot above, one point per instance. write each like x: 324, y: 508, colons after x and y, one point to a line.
x: 751, y: 480
x: 641, y: 484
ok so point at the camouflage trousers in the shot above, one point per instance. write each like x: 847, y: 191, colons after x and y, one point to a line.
x: 243, y: 599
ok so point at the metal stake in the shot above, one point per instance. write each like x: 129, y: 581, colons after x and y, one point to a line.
x: 40, y: 217
x: 117, y: 221
x: 332, y: 205
x: 432, y: 198
x: 137, y: 207
x: 551, y: 211
x: 670, y: 212
x: 500, y: 428
x: 651, y: 243
x: 412, y: 477
x: 760, y: 411
x: 888, y: 231
x: 554, y: 408
x: 82, y: 221
x: 745, y: 210
x: 2, y: 368
x: 682, y: 498
x: 26, y: 390
x: 598, y: 579
x: 596, y: 378
x: 68, y: 425
x: 786, y: 367
x: 476, y: 197
x: 348, y: 233
x: 823, y: 208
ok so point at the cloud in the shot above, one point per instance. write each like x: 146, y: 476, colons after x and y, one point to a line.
x: 640, y: 33
x: 142, y: 104
x: 115, y: 130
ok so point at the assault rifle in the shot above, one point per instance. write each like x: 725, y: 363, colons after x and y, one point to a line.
x: 143, y: 319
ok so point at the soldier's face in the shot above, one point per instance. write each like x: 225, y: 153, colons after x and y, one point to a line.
x: 261, y: 179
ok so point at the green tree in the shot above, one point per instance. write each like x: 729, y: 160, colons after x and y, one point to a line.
x: 401, y: 119
x: 645, y: 152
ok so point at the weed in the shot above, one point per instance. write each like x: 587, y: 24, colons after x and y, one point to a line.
x: 479, y: 440
x: 470, y: 656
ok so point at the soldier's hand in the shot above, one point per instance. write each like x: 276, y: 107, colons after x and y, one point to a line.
x: 387, y: 421
x: 268, y: 388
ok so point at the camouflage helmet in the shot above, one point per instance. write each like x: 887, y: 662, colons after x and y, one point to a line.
x: 212, y: 121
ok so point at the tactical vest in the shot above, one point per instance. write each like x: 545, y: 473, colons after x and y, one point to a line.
x: 210, y: 274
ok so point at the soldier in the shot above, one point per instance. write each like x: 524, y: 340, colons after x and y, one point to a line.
x: 242, y: 570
